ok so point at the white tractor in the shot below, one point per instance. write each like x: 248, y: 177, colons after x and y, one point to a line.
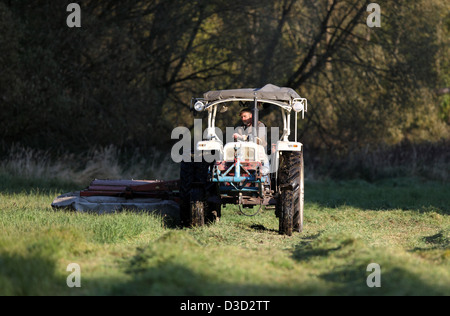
x: 242, y: 172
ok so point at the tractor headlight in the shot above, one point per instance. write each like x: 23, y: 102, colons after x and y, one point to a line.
x: 199, y: 106
x: 298, y: 106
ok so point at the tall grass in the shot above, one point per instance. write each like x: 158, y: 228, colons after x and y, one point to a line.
x: 103, y: 163
x: 425, y: 160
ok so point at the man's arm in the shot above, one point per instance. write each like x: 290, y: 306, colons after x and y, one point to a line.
x: 239, y: 135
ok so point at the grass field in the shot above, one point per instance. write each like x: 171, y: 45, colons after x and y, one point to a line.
x: 401, y: 224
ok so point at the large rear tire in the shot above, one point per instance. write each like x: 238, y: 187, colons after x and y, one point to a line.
x: 291, y: 199
x: 300, y: 199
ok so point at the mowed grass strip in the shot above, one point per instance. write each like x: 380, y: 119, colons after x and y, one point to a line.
x: 401, y: 224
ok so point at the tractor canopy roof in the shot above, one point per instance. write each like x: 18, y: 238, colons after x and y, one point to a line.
x: 268, y: 92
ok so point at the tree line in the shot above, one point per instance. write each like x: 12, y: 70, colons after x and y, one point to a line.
x: 127, y: 75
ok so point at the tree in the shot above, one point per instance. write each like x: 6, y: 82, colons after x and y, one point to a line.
x: 126, y: 77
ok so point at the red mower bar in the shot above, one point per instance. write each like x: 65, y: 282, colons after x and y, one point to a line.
x: 167, y: 190
x: 107, y: 196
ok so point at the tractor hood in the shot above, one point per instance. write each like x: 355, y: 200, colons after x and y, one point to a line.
x: 268, y: 92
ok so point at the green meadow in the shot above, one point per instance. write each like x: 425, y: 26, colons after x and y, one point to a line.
x: 401, y: 224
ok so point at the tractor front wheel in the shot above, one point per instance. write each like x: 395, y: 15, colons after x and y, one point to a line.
x: 194, y: 190
x: 197, y: 213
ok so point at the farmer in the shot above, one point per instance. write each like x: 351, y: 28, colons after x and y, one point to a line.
x: 244, y: 131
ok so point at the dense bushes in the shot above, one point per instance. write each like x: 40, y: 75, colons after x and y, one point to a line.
x: 126, y: 77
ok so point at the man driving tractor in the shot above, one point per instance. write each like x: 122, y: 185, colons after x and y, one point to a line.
x: 244, y: 131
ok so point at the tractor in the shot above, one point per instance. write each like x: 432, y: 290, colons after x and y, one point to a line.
x: 242, y: 172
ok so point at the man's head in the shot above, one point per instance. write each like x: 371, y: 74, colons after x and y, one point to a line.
x: 246, y: 116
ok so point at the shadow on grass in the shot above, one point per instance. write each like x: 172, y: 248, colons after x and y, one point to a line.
x: 173, y: 279
x: 394, y: 281
x: 262, y: 228
x: 437, y: 249
x: 343, y: 267
x: 29, y: 276
x: 152, y: 275
x: 306, y: 249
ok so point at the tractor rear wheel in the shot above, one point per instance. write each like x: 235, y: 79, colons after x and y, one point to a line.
x: 300, y: 196
x: 291, y: 186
